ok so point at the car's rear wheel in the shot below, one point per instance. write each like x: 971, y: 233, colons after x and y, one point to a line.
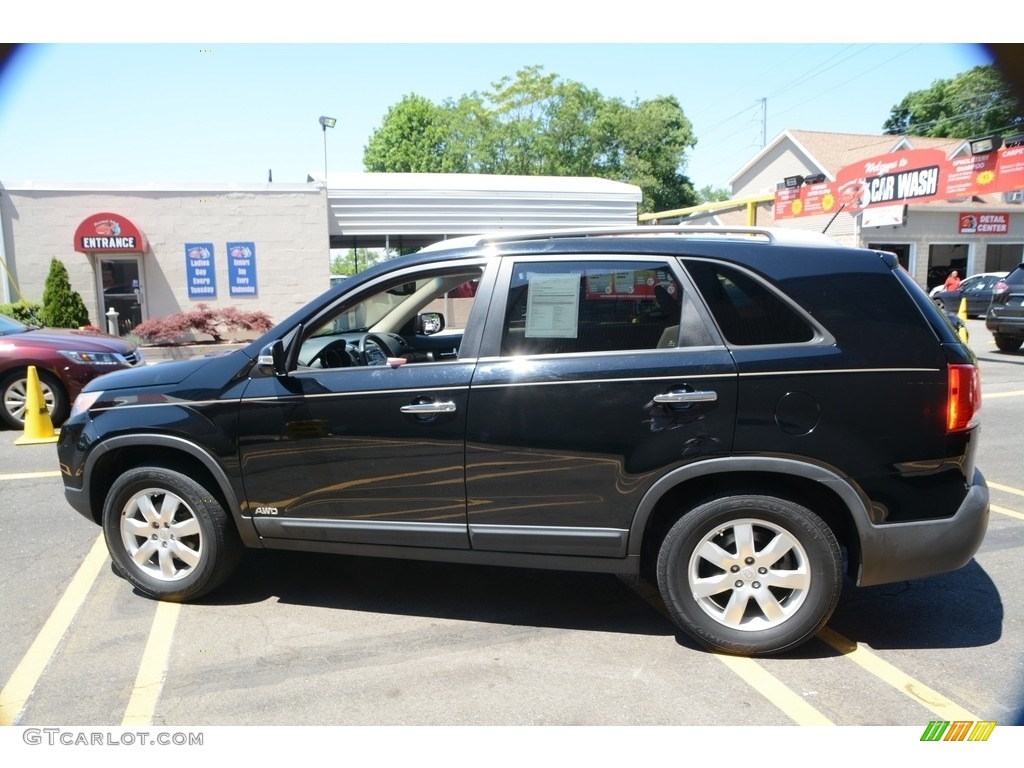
x: 750, y: 575
x: 168, y: 535
x: 1008, y: 343
x: 15, y: 393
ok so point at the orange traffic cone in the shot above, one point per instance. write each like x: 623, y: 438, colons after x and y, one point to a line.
x: 38, y: 427
x: 962, y: 312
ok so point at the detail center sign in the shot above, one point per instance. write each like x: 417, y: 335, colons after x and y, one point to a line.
x: 917, y: 175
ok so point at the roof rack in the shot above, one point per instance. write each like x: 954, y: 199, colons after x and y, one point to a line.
x: 772, y: 235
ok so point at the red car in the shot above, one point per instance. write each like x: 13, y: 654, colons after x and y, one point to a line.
x: 65, y: 360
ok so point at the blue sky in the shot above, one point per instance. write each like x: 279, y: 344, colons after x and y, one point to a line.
x: 227, y: 112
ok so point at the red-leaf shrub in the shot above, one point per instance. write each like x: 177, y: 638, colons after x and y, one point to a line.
x: 201, y: 320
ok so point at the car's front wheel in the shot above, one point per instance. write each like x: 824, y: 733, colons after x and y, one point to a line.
x: 1008, y: 343
x: 168, y: 535
x: 15, y: 394
x: 750, y: 575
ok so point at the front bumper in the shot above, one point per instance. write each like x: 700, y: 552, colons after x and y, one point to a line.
x: 904, y: 551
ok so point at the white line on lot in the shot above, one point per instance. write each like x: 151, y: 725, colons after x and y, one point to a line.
x: 153, y: 668
x: 886, y: 672
x: 991, y: 395
x: 23, y: 680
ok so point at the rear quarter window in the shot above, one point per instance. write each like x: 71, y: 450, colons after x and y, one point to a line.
x: 746, y: 310
x: 870, y: 313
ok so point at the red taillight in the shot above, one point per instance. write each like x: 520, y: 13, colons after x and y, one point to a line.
x: 964, y: 399
x: 1000, y: 287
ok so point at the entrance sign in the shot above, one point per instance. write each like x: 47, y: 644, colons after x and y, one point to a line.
x: 108, y: 233
x: 199, y: 271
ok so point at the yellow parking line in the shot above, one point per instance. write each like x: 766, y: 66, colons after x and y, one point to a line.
x: 1004, y: 488
x: 769, y: 686
x: 1005, y: 511
x: 29, y: 475
x: 153, y: 668
x: 26, y: 675
x: 748, y: 670
x: 886, y: 672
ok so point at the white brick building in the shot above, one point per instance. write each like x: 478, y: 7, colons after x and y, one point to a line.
x: 156, y: 250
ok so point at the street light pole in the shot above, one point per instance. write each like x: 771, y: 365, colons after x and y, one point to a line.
x: 326, y: 122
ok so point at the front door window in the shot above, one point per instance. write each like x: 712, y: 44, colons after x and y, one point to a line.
x: 122, y: 292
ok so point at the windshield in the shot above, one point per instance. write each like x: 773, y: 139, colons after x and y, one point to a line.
x: 371, y: 310
x: 402, y: 300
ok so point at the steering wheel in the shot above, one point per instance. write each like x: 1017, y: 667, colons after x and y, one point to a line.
x: 334, y: 355
x: 373, y: 350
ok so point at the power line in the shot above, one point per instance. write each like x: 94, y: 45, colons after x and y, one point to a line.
x: 849, y: 80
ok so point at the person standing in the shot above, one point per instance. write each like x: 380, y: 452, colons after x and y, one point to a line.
x: 953, y: 281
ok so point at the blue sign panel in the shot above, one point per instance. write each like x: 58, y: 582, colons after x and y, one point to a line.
x: 199, y: 272
x: 242, y: 269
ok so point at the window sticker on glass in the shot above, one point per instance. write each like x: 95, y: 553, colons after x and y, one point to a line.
x: 552, y: 306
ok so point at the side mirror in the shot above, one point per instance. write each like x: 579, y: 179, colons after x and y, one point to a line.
x: 429, y: 322
x: 271, y: 359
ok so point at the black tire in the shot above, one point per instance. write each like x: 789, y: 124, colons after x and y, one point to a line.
x: 1008, y: 343
x: 14, y: 398
x: 168, y: 535
x: 753, y: 599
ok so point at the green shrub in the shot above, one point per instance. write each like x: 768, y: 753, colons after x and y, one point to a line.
x: 62, y: 306
x: 28, y: 312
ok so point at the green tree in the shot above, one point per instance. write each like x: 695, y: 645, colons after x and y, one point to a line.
x: 709, y: 194
x: 978, y: 102
x: 412, y: 138
x: 539, y: 125
x: 355, y: 260
x: 62, y: 306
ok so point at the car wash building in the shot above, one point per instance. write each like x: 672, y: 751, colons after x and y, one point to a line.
x: 939, y: 204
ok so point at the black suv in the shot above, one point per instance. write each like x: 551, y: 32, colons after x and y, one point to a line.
x: 709, y: 407
x: 1005, y: 317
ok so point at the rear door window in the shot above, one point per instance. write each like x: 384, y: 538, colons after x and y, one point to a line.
x: 591, y: 306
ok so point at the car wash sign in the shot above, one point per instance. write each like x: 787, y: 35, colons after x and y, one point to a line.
x: 899, y: 178
x: 108, y: 233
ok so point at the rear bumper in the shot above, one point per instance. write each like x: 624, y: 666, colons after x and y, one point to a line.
x: 1004, y: 325
x: 904, y: 551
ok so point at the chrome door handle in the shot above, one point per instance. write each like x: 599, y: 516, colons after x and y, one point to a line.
x: 419, y: 409
x: 682, y: 397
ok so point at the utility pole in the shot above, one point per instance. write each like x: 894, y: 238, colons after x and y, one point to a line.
x: 764, y: 122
